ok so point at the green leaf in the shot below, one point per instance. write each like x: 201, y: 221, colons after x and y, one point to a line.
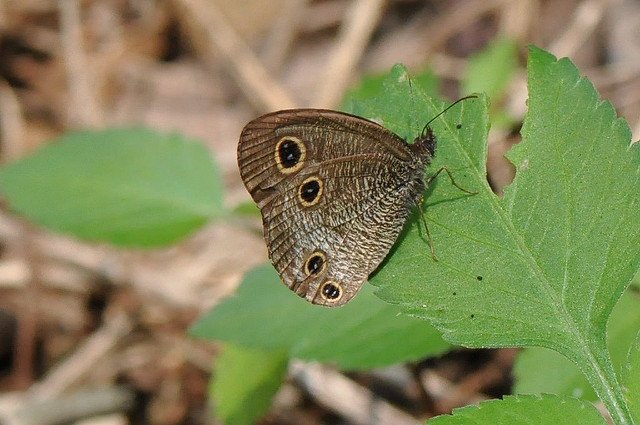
x: 524, y: 409
x: 545, y: 265
x: 396, y: 88
x: 381, y: 92
x: 247, y: 209
x: 245, y: 382
x: 631, y: 379
x: 265, y: 314
x: 559, y: 375
x: 541, y: 370
x: 635, y: 282
x: 491, y: 70
x: 426, y: 81
x: 129, y: 187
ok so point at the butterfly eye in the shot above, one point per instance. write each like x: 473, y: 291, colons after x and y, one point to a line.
x: 331, y: 291
x: 309, y: 191
x: 315, y: 264
x: 290, y: 153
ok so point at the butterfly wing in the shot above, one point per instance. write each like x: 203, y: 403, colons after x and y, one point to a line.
x: 334, y: 191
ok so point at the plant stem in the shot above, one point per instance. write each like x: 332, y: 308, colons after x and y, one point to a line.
x: 599, y: 371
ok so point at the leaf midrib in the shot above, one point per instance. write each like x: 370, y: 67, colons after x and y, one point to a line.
x: 566, y: 319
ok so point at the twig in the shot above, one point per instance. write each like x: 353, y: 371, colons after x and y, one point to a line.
x: 13, y: 142
x: 355, y: 33
x: 4, y: 6
x: 189, y: 350
x: 615, y: 73
x: 320, y: 16
x: 94, y: 258
x: 14, y: 274
x: 250, y: 74
x: 446, y: 394
x: 447, y: 66
x: 586, y: 18
x: 28, y: 316
x: 423, y: 35
x: 345, y: 397
x: 83, y: 360
x: 454, y: 20
x: 283, y: 34
x: 12, y: 126
x: 517, y: 18
x: 143, y: 270
x: 81, y: 404
x: 86, y: 112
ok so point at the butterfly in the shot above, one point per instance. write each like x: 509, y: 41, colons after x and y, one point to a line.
x: 334, y: 191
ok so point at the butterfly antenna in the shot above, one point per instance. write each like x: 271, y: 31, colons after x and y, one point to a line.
x: 471, y: 96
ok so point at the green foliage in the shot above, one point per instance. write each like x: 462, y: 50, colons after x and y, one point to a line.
x: 524, y: 409
x: 247, y: 209
x: 264, y: 314
x: 245, y: 382
x: 490, y: 70
x: 635, y: 282
x: 382, y: 90
x: 559, y: 375
x: 129, y: 187
x: 545, y: 265
x: 398, y: 104
x: 631, y: 379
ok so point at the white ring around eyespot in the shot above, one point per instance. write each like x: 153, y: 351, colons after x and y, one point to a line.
x: 313, y: 254
x: 299, y: 164
x: 318, y: 196
x: 331, y: 300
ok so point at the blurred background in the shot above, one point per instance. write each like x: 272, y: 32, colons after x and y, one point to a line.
x: 78, y: 316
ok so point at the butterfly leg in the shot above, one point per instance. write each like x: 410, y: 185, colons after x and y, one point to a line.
x: 453, y: 182
x: 424, y: 221
x: 426, y: 228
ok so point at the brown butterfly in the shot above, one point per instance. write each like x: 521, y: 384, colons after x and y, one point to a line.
x: 334, y: 190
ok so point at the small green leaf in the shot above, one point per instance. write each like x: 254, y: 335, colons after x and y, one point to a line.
x: 265, y: 314
x: 491, y: 70
x: 129, y: 187
x: 247, y: 209
x: 244, y: 383
x: 559, y: 375
x: 427, y: 81
x: 524, y: 409
x: 542, y: 370
x: 383, y: 92
x: 369, y: 87
x: 396, y: 88
x: 631, y: 379
x: 635, y: 282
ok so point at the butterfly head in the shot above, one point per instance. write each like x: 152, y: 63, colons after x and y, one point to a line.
x: 424, y: 146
